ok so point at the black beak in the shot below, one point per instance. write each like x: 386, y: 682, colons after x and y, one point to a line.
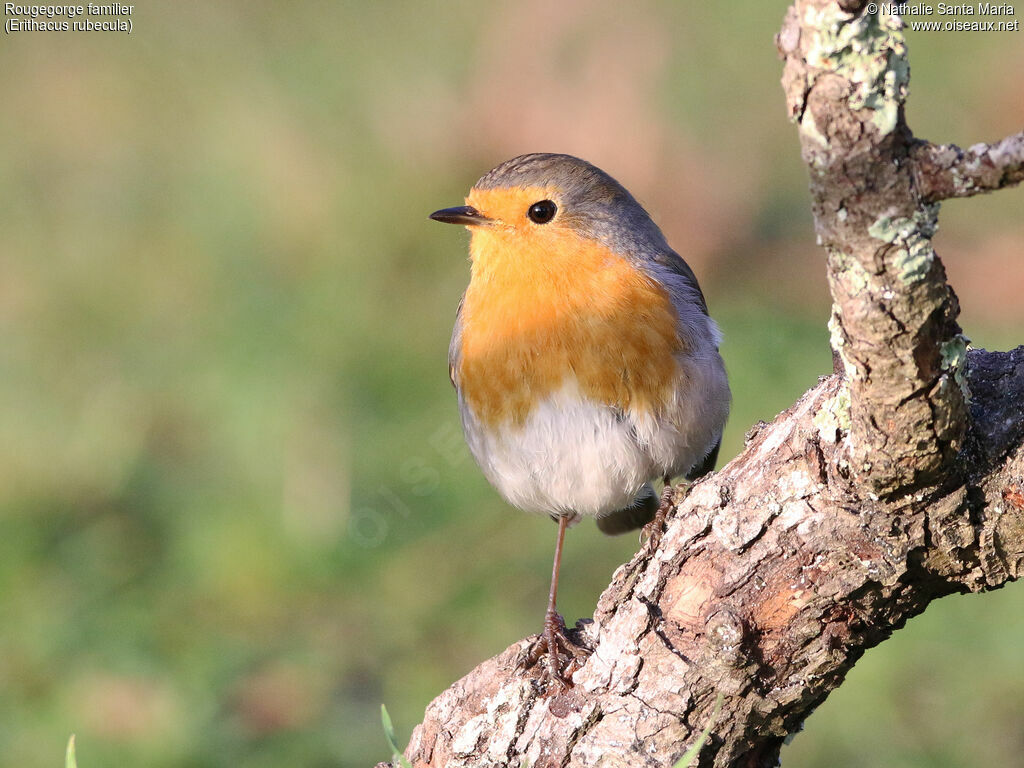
x: 463, y: 214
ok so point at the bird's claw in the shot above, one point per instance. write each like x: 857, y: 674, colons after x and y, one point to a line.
x: 651, y: 533
x: 562, y: 656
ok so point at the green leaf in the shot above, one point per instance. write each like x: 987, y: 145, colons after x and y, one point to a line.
x: 389, y: 728
x: 691, y: 754
x: 69, y: 755
x: 389, y: 734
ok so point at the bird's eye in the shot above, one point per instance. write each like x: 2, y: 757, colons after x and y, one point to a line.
x: 542, y: 212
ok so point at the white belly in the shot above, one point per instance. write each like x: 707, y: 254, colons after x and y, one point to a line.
x: 576, y: 456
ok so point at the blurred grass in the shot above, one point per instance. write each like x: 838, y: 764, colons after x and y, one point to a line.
x: 237, y: 511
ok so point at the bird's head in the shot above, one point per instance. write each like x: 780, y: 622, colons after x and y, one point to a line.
x: 550, y: 208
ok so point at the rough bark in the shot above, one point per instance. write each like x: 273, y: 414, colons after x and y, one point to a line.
x: 894, y: 316
x: 947, y: 171
x: 894, y: 481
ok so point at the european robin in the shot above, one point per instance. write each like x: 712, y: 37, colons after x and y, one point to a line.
x: 583, y: 357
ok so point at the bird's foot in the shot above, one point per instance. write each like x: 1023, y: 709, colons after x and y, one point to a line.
x: 561, y: 656
x: 652, y: 532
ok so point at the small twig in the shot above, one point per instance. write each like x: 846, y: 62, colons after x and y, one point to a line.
x: 945, y: 171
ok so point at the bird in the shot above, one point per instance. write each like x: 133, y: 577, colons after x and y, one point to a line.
x: 584, y: 360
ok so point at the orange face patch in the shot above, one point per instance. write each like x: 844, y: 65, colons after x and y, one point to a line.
x: 509, y: 206
x: 545, y: 306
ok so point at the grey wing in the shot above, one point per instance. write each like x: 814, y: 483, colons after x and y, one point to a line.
x: 704, y: 338
x: 681, y: 278
x: 454, y: 348
x: 698, y: 329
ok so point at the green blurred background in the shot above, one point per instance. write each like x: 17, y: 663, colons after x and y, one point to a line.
x: 236, y: 512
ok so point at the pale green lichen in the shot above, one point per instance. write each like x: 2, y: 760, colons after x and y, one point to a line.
x: 810, y: 129
x: 887, y: 228
x: 911, y: 261
x: 833, y: 418
x: 838, y: 342
x: 856, y: 277
x: 954, y: 361
x: 870, y: 52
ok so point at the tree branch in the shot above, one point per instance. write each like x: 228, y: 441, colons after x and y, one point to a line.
x: 894, y: 317
x: 945, y: 171
x: 774, y: 576
x: 884, y: 487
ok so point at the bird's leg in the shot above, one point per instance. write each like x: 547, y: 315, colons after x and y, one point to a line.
x: 563, y: 656
x: 654, y: 529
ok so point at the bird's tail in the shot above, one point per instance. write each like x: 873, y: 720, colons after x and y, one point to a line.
x: 636, y: 515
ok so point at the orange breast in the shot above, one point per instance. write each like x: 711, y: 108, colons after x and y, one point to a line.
x: 546, y: 307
